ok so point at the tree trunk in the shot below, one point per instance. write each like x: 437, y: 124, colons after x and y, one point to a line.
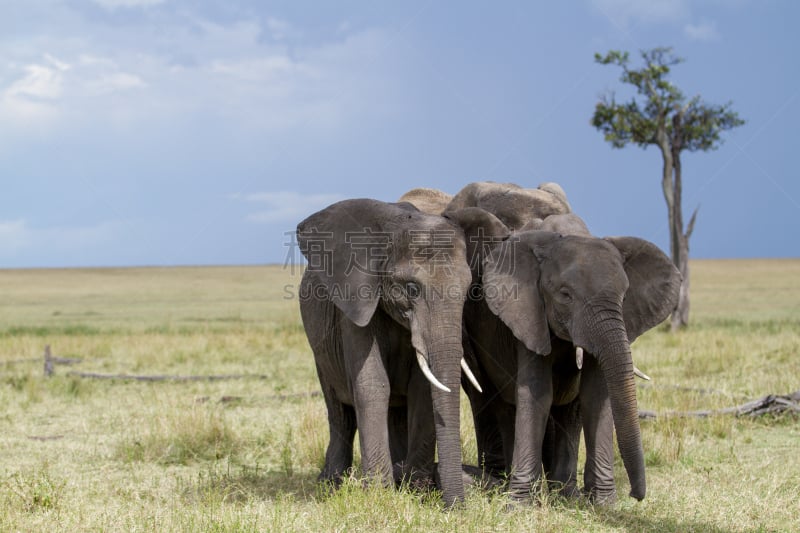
x: 680, y: 316
x: 667, y: 186
x: 679, y: 239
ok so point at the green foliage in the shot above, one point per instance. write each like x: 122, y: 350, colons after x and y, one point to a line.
x: 287, y: 454
x: 196, y: 434
x: 81, y: 330
x: 36, y: 489
x: 662, y: 113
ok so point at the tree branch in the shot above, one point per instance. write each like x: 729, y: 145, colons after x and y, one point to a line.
x: 690, y: 225
x: 770, y: 404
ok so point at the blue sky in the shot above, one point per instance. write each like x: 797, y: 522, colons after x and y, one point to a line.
x: 161, y: 132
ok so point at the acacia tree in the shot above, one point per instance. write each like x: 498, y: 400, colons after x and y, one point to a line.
x: 661, y: 115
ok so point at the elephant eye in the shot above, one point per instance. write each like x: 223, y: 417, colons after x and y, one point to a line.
x: 412, y: 290
x: 565, y: 294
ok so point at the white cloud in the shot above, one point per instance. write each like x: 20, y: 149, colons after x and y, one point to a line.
x: 12, y: 235
x: 625, y: 12
x: 706, y: 31
x: 17, y: 236
x: 280, y: 29
x: 268, y: 69
x: 31, y: 100
x: 40, y: 81
x: 286, y: 206
x: 58, y: 64
x: 42, y: 91
x: 200, y: 71
x: 114, y: 4
x: 92, y: 60
x: 118, y: 81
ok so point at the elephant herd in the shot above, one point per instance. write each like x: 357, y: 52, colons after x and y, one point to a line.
x: 499, y: 289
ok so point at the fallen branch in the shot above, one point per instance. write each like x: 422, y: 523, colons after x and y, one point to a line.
x: 134, y: 377
x: 50, y: 361
x: 53, y: 358
x: 683, y: 388
x: 66, y: 360
x: 770, y: 404
x: 43, y: 438
x: 280, y: 397
x: 18, y: 361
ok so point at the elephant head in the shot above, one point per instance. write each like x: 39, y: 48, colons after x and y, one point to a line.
x: 598, y: 294
x: 374, y: 257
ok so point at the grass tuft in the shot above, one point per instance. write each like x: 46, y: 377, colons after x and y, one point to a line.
x: 35, y: 490
x: 180, y: 437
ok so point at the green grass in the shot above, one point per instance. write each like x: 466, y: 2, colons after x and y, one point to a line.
x: 243, y: 455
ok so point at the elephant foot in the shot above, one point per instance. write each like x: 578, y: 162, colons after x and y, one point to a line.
x: 415, y: 478
x: 601, y: 497
x: 566, y: 490
x: 334, y: 479
x: 482, y: 478
x: 517, y: 503
x: 526, y: 488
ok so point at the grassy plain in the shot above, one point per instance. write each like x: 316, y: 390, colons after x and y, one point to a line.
x: 242, y: 455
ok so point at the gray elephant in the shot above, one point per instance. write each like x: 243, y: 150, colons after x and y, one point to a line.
x: 550, y: 342
x: 517, y: 207
x: 431, y: 201
x: 381, y: 303
x: 512, y: 207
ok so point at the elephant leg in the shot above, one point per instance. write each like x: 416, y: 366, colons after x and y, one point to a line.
x: 342, y: 428
x: 370, y: 385
x: 534, y: 397
x: 598, y: 431
x: 506, y: 415
x: 561, y: 447
x: 421, y: 432
x: 488, y: 435
x: 493, y: 419
x: 398, y: 438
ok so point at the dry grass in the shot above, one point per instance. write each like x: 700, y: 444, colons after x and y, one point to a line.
x: 242, y: 455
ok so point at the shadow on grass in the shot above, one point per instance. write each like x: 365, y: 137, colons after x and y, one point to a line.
x: 240, y: 484
x: 243, y: 483
x: 628, y: 521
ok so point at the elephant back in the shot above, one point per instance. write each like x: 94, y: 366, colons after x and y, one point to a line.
x: 515, y: 206
x: 430, y: 201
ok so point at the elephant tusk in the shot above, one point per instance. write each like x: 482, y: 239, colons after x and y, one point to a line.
x: 470, y: 375
x: 579, y: 357
x: 423, y: 365
x: 640, y: 374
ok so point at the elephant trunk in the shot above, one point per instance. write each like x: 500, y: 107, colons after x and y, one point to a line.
x: 445, y: 354
x: 613, y: 353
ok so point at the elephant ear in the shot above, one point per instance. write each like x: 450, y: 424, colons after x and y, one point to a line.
x: 482, y: 230
x: 347, y: 250
x: 511, y: 287
x: 654, y: 284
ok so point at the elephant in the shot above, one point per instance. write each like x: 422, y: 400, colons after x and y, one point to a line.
x: 381, y: 304
x: 517, y: 207
x: 564, y: 224
x: 550, y: 343
x: 427, y: 200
